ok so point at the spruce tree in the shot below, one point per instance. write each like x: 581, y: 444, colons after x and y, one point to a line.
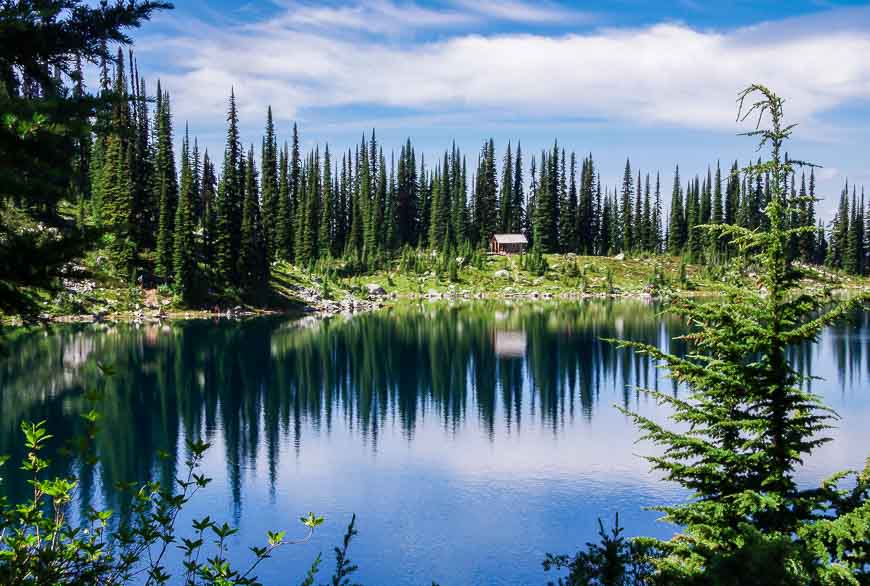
x: 746, y: 424
x: 326, y: 225
x: 438, y: 222
x: 407, y: 197
x: 184, y: 254
x: 209, y: 209
x: 568, y: 206
x: 546, y: 218
x: 840, y: 232
x: 717, y: 213
x: 676, y: 225
x: 271, y: 202
x: 253, y: 265
x: 506, y: 197
x: 116, y: 187
x: 588, y: 215
x: 284, y: 228
x: 518, y: 213
x: 732, y: 196
x: 166, y: 183
x: 647, y: 219
x: 637, y: 221
x: 227, y: 232
x: 460, y: 224
x: 656, y: 220
x: 626, y: 219
x: 853, y: 251
x: 295, y: 190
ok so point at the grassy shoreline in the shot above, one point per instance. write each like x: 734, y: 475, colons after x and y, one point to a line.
x: 88, y: 294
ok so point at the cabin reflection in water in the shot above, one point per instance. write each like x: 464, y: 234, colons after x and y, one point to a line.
x: 509, y: 343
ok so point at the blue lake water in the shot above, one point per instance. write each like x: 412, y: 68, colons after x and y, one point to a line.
x: 469, y: 439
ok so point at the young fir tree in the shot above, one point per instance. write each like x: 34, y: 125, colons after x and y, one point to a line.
x: 746, y: 423
x: 183, y: 253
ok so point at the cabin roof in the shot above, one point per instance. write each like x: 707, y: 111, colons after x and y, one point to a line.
x: 510, y: 238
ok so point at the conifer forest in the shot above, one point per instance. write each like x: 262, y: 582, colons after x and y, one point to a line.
x: 192, y: 216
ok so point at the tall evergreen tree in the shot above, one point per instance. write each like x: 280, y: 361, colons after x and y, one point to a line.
x: 227, y: 232
x: 184, y: 253
x: 506, y: 197
x: 626, y: 219
x: 253, y: 262
x: 568, y: 205
x: 284, y: 227
x: 270, y: 187
x: 407, y: 197
x: 546, y: 219
x: 209, y: 209
x: 326, y: 225
x: 840, y: 232
x: 677, y: 224
x: 166, y: 183
x: 518, y: 214
x: 116, y: 185
x: 656, y: 220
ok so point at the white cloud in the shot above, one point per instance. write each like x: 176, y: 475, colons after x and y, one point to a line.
x: 512, y: 10
x: 666, y: 74
x: 374, y: 16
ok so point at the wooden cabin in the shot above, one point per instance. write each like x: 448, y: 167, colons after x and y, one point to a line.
x: 508, y: 244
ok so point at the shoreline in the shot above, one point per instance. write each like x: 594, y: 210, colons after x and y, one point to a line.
x: 325, y: 308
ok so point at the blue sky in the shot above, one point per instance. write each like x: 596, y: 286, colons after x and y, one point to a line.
x: 653, y: 81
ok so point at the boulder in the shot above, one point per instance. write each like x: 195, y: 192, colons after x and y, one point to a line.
x: 501, y: 274
x: 375, y: 290
x: 620, y: 256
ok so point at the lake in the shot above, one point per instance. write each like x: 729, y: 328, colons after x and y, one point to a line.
x: 469, y: 439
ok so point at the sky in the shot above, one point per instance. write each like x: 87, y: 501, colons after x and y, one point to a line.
x: 654, y: 82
